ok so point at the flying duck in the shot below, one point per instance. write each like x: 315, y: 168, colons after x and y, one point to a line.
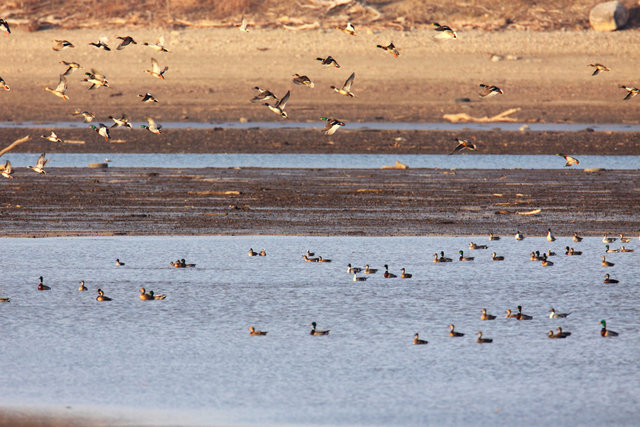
x: 633, y: 91
x: 51, y: 138
x: 61, y: 90
x: 96, y: 79
x: 4, y: 84
x: 489, y: 90
x: 158, y: 46
x: 155, y: 70
x: 101, y: 296
x: 606, y: 332
x: 390, y: 48
x: 315, y: 331
x: 278, y: 107
x: 328, y: 62
x: 263, y: 95
x: 150, y: 296
x: 349, y: 29
x: 332, y: 125
x: 102, y: 130
x: 418, y: 341
x: 39, y: 167
x: 243, y: 25
x: 4, y: 26
x: 126, y: 41
x: 252, y: 331
x: 346, y: 87
x: 6, y: 170
x: 147, y: 97
x: 122, y: 121
x: 481, y: 340
x: 462, y: 144
x: 445, y: 32
x: 101, y: 44
x: 569, y: 160
x: 554, y: 315
x: 152, y: 126
x: 87, y: 117
x: 302, y: 80
x: 485, y: 316
x: 453, y: 333
x: 598, y: 68
x: 62, y: 44
x: 608, y: 279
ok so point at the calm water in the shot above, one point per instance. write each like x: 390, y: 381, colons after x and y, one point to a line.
x: 189, y: 359
x: 359, y: 161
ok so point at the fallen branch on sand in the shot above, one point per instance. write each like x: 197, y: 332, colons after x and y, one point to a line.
x: 398, y: 165
x: 14, y: 144
x: 464, y: 117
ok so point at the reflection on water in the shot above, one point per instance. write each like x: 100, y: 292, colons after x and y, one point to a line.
x: 358, y: 161
x: 192, y: 354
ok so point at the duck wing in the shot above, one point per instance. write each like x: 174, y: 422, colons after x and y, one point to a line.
x: 62, y: 84
x: 349, y: 82
x: 281, y: 104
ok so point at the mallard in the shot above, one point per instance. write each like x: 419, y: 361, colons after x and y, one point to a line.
x: 444, y: 258
x: 519, y: 236
x: 608, y: 279
x: 568, y: 159
x: 492, y: 237
x: 474, y: 246
x: 494, y: 257
x: 119, y: 263
x: 346, y: 87
x: 147, y: 97
x: 550, y: 334
x: 302, y: 80
x: 510, y: 315
x: 606, y: 239
x: 418, y: 341
x: 481, y: 340
x: 576, y: 238
x: 388, y: 275
x: 351, y: 269
x: 61, y: 90
x: 435, y: 258
x: 101, y: 296
x: 252, y: 252
x: 462, y: 144
x: 4, y: 84
x: 485, y: 316
x: 315, y: 331
x: 155, y: 70
x: 550, y: 252
x: 96, y: 79
x: 550, y: 237
x: 278, y: 107
x: 263, y: 95
x: 368, y: 270
x: 390, y: 48
x: 329, y: 62
x: 4, y: 299
x: 445, y: 32
x: 150, y: 296
x: 87, y: 117
x: 545, y: 262
x: 42, y: 286
x: 624, y: 239
x: 39, y: 167
x: 357, y: 278
x: 243, y: 25
x: 554, y: 315
x: 332, y: 125
x: 632, y: 91
x: 606, y: 263
x: 126, y: 41
x: 264, y: 253
x: 535, y: 256
x: 623, y: 249
x: 405, y: 275
x: 6, y: 170
x: 158, y: 46
x: 71, y: 67
x: 489, y: 90
x: 152, y: 126
x: 122, y: 121
x: 464, y: 258
x: 320, y: 259
x: 82, y: 287
x: 51, y: 138
x: 349, y: 29
x: 252, y: 331
x: 453, y: 333
x: 102, y: 130
x: 308, y: 259
x: 101, y: 44
x: 4, y: 26
x: 598, y: 68
x: 606, y: 332
x: 609, y: 250
x: 310, y: 253
x: 522, y: 316
x: 571, y: 251
x: 62, y: 44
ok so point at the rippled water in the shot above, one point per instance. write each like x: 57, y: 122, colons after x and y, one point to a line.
x: 189, y: 359
x: 359, y: 161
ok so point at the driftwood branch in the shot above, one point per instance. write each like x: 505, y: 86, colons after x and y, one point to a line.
x: 464, y: 117
x: 14, y: 144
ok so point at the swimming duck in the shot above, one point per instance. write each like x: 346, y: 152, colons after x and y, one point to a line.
x: 101, y: 44
x: 42, y: 286
x: 510, y: 315
x: 519, y: 236
x: 101, y: 296
x: 545, y: 262
x: 576, y: 238
x: 368, y: 270
x: 96, y: 79
x: 320, y: 259
x: 87, y: 117
x: 522, y: 316
x: 264, y: 253
x: 263, y: 95
x: 147, y: 97
x: 39, y: 167
x: 418, y: 341
x: 357, y: 278
x: 462, y: 144
x: 571, y: 251
x: 609, y: 250
x: 118, y: 263
x: 494, y: 257
x: 453, y: 333
x: 481, y: 340
x: 598, y: 68
x: 435, y: 258
x: 444, y: 258
x: 390, y: 48
x: 122, y: 121
x: 349, y: 29
x: 535, y: 256
x: 346, y: 87
x: 474, y: 246
x: 4, y: 299
x: 633, y: 91
x: 252, y: 331
x: 550, y: 334
x: 388, y: 275
x: 550, y: 237
x: 51, y: 138
x: 315, y: 331
x: 158, y: 46
x: 624, y: 239
x: 568, y: 159
x: 82, y: 287
x: 489, y: 90
x: 102, y: 130
x: 6, y: 170
x: 155, y: 70
x: 328, y: 62
x: 310, y: 253
x: 445, y: 32
x: 4, y: 26
x: 126, y: 41
x: 606, y: 239
x: 61, y: 90
x: 485, y: 316
x: 464, y: 258
x: 4, y: 84
x: 623, y: 249
x: 606, y: 263
x: 353, y: 269
x: 150, y: 296
x: 252, y: 252
x: 608, y: 279
x: 152, y: 126
x: 307, y: 259
x: 332, y: 125
x: 243, y: 25
x: 554, y: 315
x: 492, y: 237
x: 404, y: 275
x: 550, y: 252
x: 62, y: 44
x: 71, y: 67
x: 278, y: 107
x: 606, y: 332
x: 302, y: 80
